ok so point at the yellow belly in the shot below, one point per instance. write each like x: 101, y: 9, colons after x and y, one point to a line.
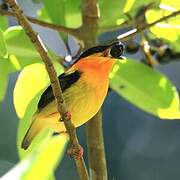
x: 82, y: 100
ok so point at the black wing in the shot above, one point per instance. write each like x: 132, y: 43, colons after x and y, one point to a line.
x: 66, y: 80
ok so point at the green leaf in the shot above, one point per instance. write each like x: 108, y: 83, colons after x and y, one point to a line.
x: 111, y: 13
x: 21, y: 50
x: 168, y: 30
x: 55, y: 11
x: 24, y: 124
x: 64, y: 13
x: 3, y: 22
x: 51, y: 177
x: 73, y: 16
x: 31, y: 81
x: 43, y: 15
x: 146, y: 88
x: 20, y: 47
x: 3, y: 85
x: 30, y: 84
x: 129, y: 5
x: 170, y: 5
x: 41, y: 162
x: 133, y: 6
x: 6, y: 67
x: 3, y: 50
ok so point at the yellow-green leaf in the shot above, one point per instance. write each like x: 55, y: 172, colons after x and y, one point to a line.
x: 3, y: 85
x: 111, y: 14
x: 30, y: 84
x: 31, y: 81
x: 170, y: 5
x: 3, y: 22
x: 41, y: 162
x: 62, y: 12
x: 3, y: 50
x: 6, y: 67
x: 20, y: 47
x: 133, y: 6
x: 146, y: 88
x: 168, y: 30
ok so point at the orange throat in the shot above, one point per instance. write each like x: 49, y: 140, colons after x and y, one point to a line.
x: 95, y: 67
x: 95, y: 72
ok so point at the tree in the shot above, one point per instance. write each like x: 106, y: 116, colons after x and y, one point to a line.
x: 135, y: 81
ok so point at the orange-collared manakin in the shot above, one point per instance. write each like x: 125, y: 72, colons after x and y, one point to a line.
x: 84, y: 88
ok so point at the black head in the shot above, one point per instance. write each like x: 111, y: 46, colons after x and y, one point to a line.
x: 93, y: 50
x: 114, y: 50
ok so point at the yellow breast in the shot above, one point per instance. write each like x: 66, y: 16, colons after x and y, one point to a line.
x: 85, y: 97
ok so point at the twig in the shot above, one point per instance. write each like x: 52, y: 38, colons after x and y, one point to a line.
x: 135, y: 31
x: 61, y: 106
x: 73, y: 32
x: 151, y: 61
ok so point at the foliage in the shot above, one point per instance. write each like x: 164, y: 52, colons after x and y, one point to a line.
x: 26, y: 97
x: 145, y: 88
x: 140, y: 84
x: 40, y: 158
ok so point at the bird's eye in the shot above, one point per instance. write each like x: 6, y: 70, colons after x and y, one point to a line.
x: 117, y: 50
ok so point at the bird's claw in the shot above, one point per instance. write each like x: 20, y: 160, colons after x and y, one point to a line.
x: 75, y: 152
x: 67, y: 116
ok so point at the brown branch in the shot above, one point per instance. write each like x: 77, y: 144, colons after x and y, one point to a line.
x: 95, y: 142
x: 73, y: 32
x: 151, y: 61
x: 136, y: 31
x: 61, y: 106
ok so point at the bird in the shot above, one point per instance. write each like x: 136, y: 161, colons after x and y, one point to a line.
x: 84, y: 86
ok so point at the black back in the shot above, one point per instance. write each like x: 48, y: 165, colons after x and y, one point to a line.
x: 65, y: 80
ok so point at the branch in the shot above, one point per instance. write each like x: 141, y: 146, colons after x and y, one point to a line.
x: 95, y: 142
x: 73, y: 32
x: 130, y: 20
x: 151, y: 61
x: 135, y: 31
x: 61, y: 106
x: 94, y: 131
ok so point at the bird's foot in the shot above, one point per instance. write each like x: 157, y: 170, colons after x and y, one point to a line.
x: 75, y: 152
x: 67, y: 116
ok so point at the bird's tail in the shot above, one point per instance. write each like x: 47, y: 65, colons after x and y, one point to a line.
x: 34, y: 129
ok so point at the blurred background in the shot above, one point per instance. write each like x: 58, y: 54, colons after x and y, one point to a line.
x: 138, y: 146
